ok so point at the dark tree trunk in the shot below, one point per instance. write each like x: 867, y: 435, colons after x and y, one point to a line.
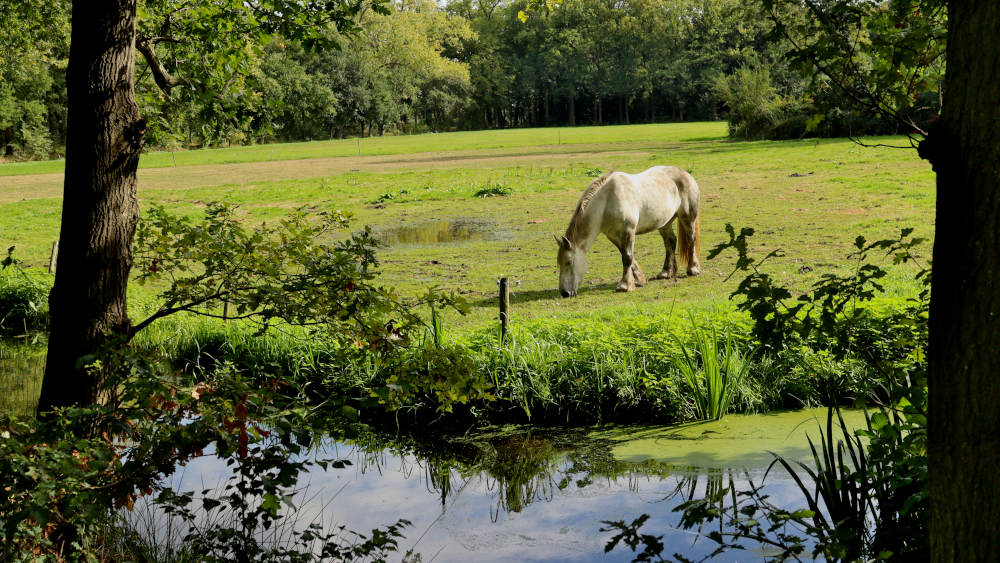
x: 964, y: 358
x: 100, y: 210
x: 545, y: 107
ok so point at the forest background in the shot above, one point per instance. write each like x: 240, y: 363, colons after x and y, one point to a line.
x: 459, y: 65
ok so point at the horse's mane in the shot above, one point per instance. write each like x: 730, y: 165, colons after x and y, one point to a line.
x: 588, y: 195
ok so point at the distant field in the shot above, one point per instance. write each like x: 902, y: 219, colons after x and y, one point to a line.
x: 809, y: 198
x: 408, y: 144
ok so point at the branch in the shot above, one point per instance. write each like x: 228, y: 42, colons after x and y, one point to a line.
x: 163, y: 79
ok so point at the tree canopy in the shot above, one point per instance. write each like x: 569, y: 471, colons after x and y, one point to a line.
x: 231, y: 72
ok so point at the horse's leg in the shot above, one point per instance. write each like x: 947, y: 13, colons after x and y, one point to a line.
x: 688, y: 243
x: 637, y: 275
x: 669, y: 271
x: 627, y: 248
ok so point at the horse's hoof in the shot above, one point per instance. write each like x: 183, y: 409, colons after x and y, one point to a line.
x: 664, y: 275
x: 624, y: 288
x: 694, y: 271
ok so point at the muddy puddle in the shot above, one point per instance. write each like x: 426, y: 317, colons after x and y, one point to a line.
x: 438, y: 232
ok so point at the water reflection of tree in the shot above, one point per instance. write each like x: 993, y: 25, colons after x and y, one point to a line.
x: 519, y: 467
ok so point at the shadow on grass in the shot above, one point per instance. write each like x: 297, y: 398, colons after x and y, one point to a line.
x: 530, y: 295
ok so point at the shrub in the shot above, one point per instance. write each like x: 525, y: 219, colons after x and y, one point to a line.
x: 756, y: 108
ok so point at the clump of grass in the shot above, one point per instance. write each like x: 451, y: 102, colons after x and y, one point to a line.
x: 494, y: 189
x: 593, y: 172
x: 714, y: 370
x: 24, y: 299
x: 389, y: 196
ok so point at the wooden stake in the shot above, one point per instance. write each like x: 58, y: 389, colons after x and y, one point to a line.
x: 52, y: 257
x: 504, y: 308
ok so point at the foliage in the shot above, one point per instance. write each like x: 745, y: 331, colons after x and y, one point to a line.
x: 714, y: 370
x: 886, y: 58
x: 432, y: 376
x: 34, y: 45
x: 834, y: 311
x: 65, y: 475
x: 278, y: 272
x: 494, y: 189
x: 389, y: 196
x: 24, y: 299
x: 322, y: 70
x: 863, y: 501
x: 756, y: 109
x: 201, y: 61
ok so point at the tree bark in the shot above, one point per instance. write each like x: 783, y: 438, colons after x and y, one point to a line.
x: 100, y: 210
x: 545, y: 107
x: 964, y: 356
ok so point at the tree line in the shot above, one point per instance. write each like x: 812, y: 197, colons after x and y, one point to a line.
x: 416, y: 66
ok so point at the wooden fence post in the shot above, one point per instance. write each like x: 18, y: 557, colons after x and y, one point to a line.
x: 504, y: 308
x: 52, y: 257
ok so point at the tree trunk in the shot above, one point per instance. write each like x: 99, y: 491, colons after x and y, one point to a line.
x: 545, y: 107
x: 964, y: 357
x: 572, y: 109
x: 100, y: 210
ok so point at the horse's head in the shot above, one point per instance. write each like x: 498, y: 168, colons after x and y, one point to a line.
x: 572, y: 262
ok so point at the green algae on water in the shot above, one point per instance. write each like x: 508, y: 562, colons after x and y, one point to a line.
x: 735, y: 442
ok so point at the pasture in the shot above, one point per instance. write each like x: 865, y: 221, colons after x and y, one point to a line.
x: 809, y: 198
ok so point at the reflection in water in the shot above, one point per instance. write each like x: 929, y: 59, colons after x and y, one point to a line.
x: 435, y: 232
x: 525, y: 494
x: 21, y: 369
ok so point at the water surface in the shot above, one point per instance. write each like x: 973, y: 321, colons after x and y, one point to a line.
x: 437, y: 232
x: 529, y: 494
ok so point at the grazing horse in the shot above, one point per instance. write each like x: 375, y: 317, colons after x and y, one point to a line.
x: 624, y: 205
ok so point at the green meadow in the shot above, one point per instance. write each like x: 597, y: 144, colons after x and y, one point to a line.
x: 809, y: 198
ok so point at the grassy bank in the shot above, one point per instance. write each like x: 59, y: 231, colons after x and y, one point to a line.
x: 808, y: 198
x: 600, y: 353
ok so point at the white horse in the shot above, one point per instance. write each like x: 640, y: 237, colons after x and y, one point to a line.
x: 623, y: 205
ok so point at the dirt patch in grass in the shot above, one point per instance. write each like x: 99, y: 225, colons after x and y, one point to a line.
x: 38, y: 186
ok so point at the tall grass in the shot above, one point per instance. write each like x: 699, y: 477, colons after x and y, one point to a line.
x: 715, y: 371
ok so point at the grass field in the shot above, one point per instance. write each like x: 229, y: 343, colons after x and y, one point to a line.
x: 810, y: 198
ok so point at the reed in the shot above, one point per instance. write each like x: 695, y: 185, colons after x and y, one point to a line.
x: 714, y: 369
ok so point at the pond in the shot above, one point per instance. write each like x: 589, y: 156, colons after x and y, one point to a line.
x: 530, y: 494
x: 438, y: 232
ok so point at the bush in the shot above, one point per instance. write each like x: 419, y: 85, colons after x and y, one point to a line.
x: 756, y: 108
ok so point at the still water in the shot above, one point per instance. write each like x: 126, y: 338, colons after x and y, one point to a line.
x: 437, y: 232
x: 529, y: 494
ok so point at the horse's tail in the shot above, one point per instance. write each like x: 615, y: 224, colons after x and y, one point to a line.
x: 689, y: 235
